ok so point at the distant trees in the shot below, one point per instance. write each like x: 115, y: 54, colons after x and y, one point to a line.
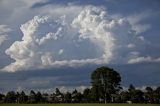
x: 67, y: 97
x: 2, y: 96
x: 87, y: 95
x: 10, y: 97
x: 136, y: 96
x: 22, y: 98
x: 157, y: 95
x: 149, y: 95
x: 76, y: 96
x: 37, y: 97
x: 105, y: 88
x: 32, y: 97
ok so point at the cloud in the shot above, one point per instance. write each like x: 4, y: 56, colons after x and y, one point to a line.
x: 31, y: 2
x: 143, y: 59
x: 44, y: 36
x: 2, y: 39
x: 65, y: 89
x: 28, y: 2
x: 141, y: 38
x: 140, y: 59
x: 4, y: 29
x: 62, y: 76
x: 136, y: 57
x: 130, y: 45
x: 25, y: 52
x: 136, y: 19
x: 91, y: 24
x: 61, y: 51
x: 47, y: 59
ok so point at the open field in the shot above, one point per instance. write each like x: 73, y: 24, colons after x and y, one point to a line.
x: 79, y: 104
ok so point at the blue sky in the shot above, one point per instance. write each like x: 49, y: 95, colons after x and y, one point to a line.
x: 46, y: 44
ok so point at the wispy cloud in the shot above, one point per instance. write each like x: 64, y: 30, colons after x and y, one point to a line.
x: 4, y: 30
x: 136, y: 19
x: 143, y: 59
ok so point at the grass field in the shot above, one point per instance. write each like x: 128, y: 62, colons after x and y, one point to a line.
x: 79, y: 104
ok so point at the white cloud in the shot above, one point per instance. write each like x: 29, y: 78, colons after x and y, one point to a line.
x: 2, y: 39
x: 134, y: 53
x: 17, y: 11
x: 47, y: 59
x: 91, y: 24
x: 139, y: 60
x: 143, y: 59
x: 141, y: 38
x: 130, y: 45
x: 157, y: 60
x: 61, y: 51
x: 25, y: 52
x: 136, y: 57
x: 140, y: 28
x: 32, y: 2
x: 50, y: 36
x: 62, y: 89
x: 44, y: 36
x: 28, y: 3
x: 65, y: 89
x: 135, y: 22
x: 4, y: 29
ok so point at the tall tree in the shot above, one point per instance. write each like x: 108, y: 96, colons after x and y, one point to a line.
x: 105, y: 81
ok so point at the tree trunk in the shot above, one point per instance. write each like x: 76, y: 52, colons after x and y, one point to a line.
x: 105, y: 101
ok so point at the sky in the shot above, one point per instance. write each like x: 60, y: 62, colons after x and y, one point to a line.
x: 45, y: 44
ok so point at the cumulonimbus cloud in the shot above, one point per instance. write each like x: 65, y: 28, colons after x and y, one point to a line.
x: 92, y: 37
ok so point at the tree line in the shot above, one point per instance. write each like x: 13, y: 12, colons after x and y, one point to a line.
x: 106, y: 88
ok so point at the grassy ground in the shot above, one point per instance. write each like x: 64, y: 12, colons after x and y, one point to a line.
x: 79, y: 104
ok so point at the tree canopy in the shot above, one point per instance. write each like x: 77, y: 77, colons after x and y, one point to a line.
x: 105, y: 81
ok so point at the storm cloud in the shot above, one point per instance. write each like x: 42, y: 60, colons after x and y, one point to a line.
x: 49, y: 42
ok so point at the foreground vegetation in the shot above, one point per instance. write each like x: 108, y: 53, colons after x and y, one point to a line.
x: 105, y: 89
x: 79, y: 105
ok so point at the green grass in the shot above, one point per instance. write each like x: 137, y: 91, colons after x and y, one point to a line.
x: 79, y: 104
